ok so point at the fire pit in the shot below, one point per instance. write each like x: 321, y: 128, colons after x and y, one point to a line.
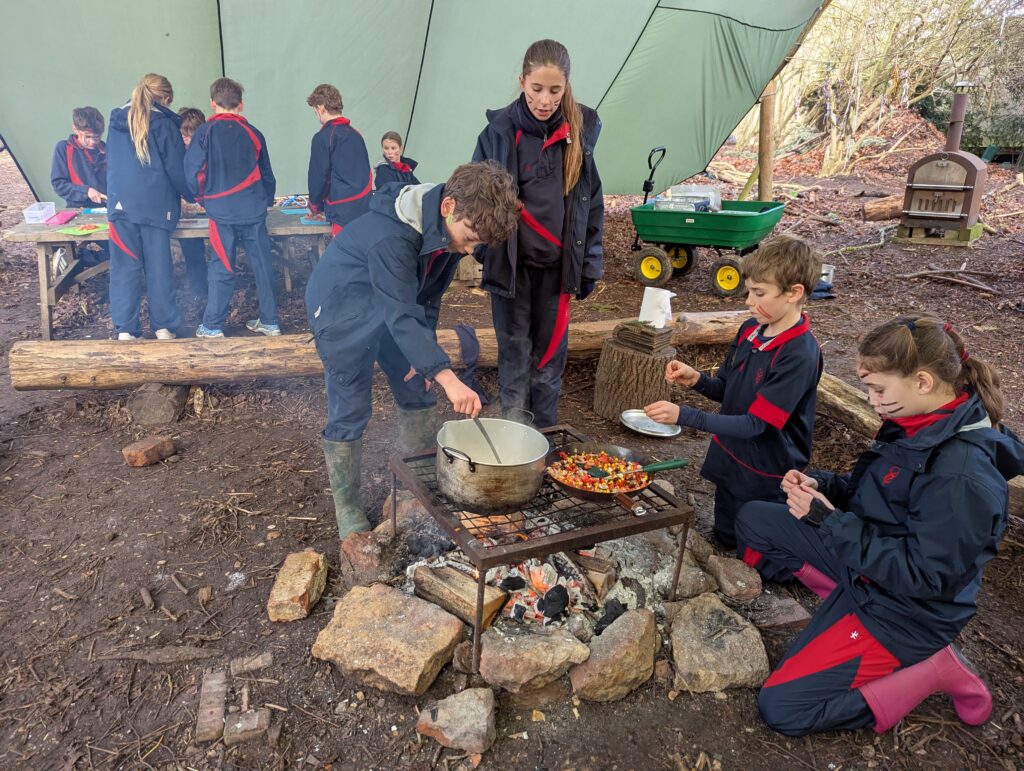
x: 552, y: 522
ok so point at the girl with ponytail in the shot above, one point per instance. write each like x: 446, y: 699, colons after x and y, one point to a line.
x: 146, y: 182
x: 895, y: 548
x: 545, y: 139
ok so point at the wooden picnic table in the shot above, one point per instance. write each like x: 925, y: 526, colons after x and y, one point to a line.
x: 48, y: 238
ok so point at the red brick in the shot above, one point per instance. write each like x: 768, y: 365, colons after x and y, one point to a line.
x: 149, y: 450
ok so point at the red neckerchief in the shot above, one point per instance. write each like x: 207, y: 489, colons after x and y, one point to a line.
x: 914, y: 423
x: 402, y: 167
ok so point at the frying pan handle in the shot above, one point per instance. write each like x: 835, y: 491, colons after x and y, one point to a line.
x: 667, y: 465
x: 629, y: 504
x: 453, y: 455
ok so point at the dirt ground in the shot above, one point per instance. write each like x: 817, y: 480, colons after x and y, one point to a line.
x: 80, y: 534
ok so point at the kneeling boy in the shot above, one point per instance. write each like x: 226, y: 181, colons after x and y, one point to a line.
x: 767, y: 387
x: 375, y: 296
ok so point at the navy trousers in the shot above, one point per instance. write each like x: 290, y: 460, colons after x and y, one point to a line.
x: 727, y: 507
x: 194, y: 252
x: 532, y: 343
x: 141, y: 254
x: 225, y: 240
x: 815, y: 687
x: 350, y: 381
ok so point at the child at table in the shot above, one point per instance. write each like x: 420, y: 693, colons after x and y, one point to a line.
x: 340, y: 179
x: 767, y: 387
x: 79, y: 172
x: 193, y: 249
x: 393, y: 166
x: 146, y: 182
x: 228, y: 169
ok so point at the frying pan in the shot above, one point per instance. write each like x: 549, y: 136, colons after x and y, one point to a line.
x: 593, y: 495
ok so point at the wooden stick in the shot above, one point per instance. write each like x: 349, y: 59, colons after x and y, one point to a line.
x: 942, y: 277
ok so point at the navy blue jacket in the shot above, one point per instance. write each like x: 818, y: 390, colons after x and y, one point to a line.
x: 583, y: 223
x: 227, y: 167
x: 340, y: 179
x: 395, y: 172
x: 774, y: 379
x: 146, y: 194
x: 75, y: 169
x: 918, y: 518
x: 389, y: 269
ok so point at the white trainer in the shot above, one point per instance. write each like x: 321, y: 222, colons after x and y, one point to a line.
x: 126, y: 336
x: 165, y: 334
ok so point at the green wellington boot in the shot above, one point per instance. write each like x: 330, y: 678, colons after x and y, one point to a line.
x: 417, y: 429
x: 343, y: 462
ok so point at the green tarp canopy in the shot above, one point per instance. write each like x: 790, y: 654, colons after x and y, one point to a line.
x: 678, y: 74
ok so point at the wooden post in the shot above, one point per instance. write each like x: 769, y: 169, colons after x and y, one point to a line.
x: 627, y: 379
x: 766, y: 143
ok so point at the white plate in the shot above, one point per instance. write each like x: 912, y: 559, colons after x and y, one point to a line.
x: 639, y: 422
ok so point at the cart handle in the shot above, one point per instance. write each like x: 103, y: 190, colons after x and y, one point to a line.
x: 653, y: 164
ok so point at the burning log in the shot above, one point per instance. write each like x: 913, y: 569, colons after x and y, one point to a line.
x: 454, y: 591
x: 600, y: 571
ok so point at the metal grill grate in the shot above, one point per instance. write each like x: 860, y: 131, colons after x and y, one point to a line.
x: 553, y: 521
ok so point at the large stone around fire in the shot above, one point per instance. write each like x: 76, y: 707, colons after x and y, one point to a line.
x: 621, y: 658
x: 389, y: 640
x: 464, y: 721
x: 411, y: 513
x: 364, y: 558
x: 692, y: 579
x: 735, y: 578
x: 698, y: 546
x: 516, y: 661
x: 714, y: 648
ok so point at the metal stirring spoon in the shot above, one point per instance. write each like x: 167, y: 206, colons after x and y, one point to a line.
x: 490, y: 444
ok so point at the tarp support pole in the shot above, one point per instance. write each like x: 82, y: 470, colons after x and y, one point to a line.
x: 766, y: 144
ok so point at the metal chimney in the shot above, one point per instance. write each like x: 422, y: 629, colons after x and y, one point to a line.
x: 956, y: 117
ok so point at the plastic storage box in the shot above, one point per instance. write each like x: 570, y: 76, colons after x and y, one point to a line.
x: 38, y: 213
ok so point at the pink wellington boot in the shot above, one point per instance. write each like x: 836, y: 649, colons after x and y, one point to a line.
x: 815, y: 580
x: 894, y: 696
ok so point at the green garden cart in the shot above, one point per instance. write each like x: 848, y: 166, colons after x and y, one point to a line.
x: 670, y: 237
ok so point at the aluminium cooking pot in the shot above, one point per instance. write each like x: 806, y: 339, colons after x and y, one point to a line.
x: 470, y: 476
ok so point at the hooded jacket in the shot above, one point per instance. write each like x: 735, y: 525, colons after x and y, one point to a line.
x: 917, y: 520
x: 146, y: 194
x: 75, y: 169
x: 583, y: 223
x: 387, y: 269
x: 227, y: 167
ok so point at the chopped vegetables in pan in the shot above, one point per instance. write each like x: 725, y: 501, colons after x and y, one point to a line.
x: 573, y: 471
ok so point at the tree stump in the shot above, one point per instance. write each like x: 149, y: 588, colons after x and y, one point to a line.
x: 628, y: 378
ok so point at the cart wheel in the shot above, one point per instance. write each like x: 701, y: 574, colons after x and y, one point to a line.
x: 653, y: 266
x: 684, y: 258
x: 726, y: 279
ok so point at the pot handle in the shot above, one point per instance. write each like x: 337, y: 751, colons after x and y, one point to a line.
x: 452, y: 455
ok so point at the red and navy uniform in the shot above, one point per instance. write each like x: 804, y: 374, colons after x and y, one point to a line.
x: 143, y: 207
x: 340, y: 179
x: 75, y: 169
x: 555, y: 254
x: 375, y: 295
x: 228, y: 169
x: 401, y: 171
x: 915, y: 523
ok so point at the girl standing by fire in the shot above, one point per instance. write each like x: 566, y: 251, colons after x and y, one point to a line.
x: 896, y: 548
x: 545, y: 139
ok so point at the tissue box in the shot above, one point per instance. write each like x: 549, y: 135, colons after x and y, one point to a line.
x: 39, y: 212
